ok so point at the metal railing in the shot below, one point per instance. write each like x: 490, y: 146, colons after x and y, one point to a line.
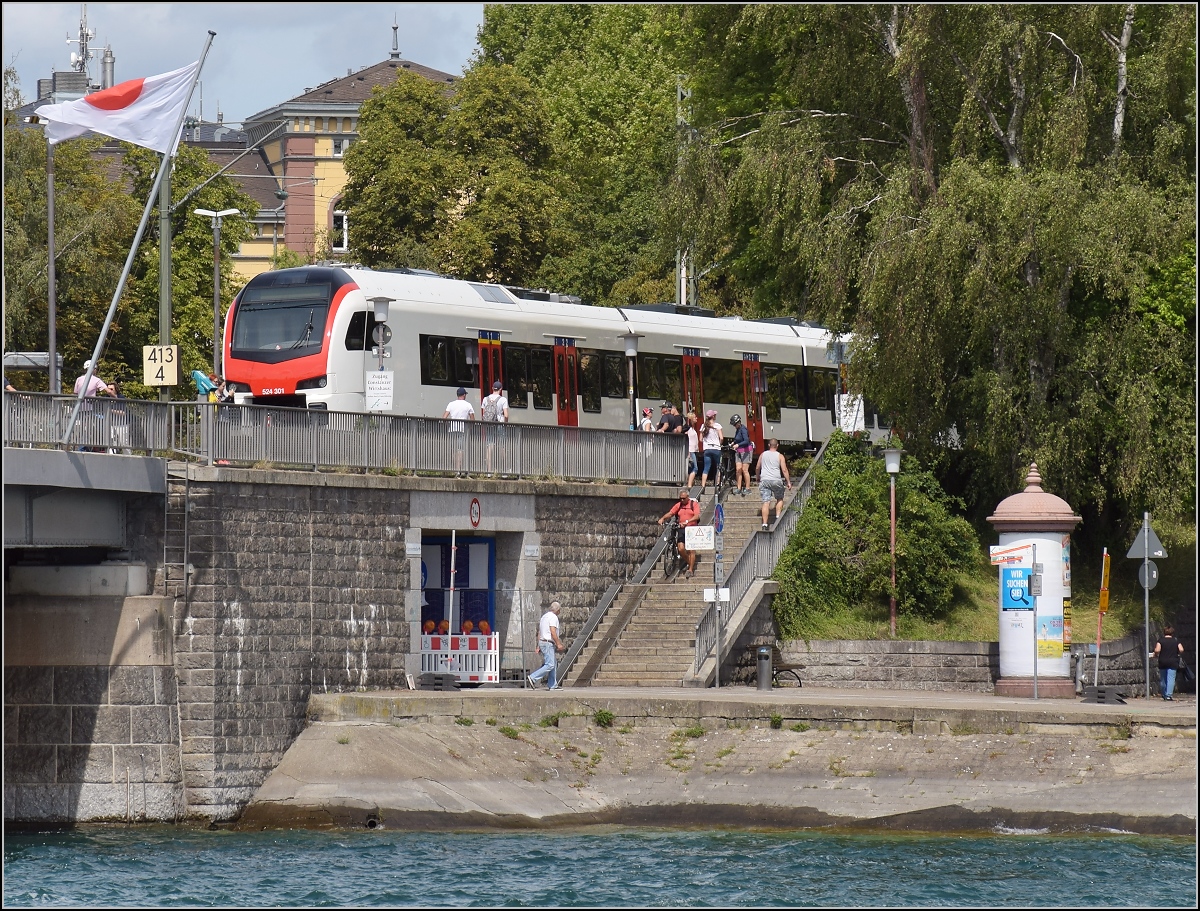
x: 311, y: 439
x: 757, y: 560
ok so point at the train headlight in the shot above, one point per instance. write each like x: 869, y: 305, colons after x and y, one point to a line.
x: 317, y: 382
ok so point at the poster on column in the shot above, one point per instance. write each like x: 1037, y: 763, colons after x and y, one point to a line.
x: 1050, y: 636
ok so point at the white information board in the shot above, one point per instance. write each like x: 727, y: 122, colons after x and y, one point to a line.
x: 379, y: 390
x: 700, y: 537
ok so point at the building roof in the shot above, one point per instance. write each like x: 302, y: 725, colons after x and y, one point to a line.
x: 355, y: 88
x: 1033, y: 509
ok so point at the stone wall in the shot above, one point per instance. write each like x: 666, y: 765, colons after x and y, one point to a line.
x: 897, y: 665
x: 88, y: 742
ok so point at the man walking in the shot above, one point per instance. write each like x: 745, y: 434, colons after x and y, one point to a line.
x: 772, y: 477
x: 495, y: 411
x: 459, y: 411
x: 548, y: 644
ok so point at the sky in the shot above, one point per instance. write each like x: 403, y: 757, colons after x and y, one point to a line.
x: 263, y: 53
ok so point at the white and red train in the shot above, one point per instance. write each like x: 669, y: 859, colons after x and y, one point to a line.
x: 304, y: 338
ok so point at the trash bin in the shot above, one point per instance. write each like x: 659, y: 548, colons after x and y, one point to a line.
x: 764, y: 668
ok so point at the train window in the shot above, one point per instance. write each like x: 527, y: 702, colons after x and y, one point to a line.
x: 615, y: 370
x: 356, y: 332
x: 789, y: 393
x: 435, y: 361
x: 541, y: 371
x: 672, y: 380
x: 771, y: 375
x: 649, y: 381
x: 516, y: 373
x: 466, y: 370
x: 722, y: 380
x: 589, y: 379
x: 359, y: 333
x: 820, y: 389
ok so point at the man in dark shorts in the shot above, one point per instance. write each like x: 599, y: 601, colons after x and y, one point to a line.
x: 687, y: 510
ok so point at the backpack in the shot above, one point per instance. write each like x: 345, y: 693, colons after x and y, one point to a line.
x: 490, y: 411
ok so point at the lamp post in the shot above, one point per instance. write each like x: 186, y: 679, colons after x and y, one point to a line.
x: 216, y: 223
x: 631, y: 350
x: 891, y: 460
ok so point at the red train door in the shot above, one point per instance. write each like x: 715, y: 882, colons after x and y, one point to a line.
x: 489, y: 361
x: 693, y: 383
x: 754, y: 387
x: 566, y: 385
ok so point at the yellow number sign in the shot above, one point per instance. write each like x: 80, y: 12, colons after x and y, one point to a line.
x: 160, y: 365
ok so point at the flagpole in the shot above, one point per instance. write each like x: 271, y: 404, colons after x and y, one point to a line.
x: 137, y: 239
x: 54, y: 385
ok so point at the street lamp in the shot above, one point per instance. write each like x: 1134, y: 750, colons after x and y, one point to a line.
x: 631, y: 350
x: 891, y: 460
x: 216, y: 223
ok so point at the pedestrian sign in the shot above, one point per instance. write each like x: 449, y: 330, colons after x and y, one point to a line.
x: 1014, y: 588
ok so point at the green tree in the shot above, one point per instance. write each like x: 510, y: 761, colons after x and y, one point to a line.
x: 839, y: 558
x: 454, y: 182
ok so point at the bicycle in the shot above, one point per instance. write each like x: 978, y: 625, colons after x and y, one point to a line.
x: 673, y: 561
x: 727, y: 471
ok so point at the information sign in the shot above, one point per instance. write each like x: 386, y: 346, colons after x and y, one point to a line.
x: 160, y: 365
x: 700, y: 537
x: 379, y: 390
x: 1014, y: 588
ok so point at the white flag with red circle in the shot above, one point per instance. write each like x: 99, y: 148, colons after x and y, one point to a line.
x: 146, y: 112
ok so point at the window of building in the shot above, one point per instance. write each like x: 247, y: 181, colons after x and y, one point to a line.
x: 340, y: 237
x: 339, y: 147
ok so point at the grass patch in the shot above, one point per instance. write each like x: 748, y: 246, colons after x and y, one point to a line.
x: 491, y: 722
x: 694, y: 732
x: 625, y: 729
x: 510, y: 733
x: 1124, y: 730
x: 800, y: 727
x: 344, y: 739
x: 551, y: 721
x: 963, y: 730
x: 465, y: 722
x: 725, y: 751
x: 603, y: 718
x: 776, y: 722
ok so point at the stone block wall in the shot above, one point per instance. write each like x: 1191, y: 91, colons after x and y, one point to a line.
x: 296, y: 587
x: 896, y: 665
x: 89, y: 743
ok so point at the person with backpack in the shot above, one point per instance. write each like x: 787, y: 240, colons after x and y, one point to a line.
x: 743, y: 454
x: 495, y: 411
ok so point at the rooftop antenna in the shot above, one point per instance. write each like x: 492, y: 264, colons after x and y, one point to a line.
x: 79, y: 60
x: 395, y: 38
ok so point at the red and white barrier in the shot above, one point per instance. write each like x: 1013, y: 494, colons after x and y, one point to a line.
x: 471, y: 658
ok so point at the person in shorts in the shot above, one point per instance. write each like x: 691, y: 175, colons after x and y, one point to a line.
x: 459, y: 411
x: 743, y: 452
x: 693, y: 436
x: 773, y: 479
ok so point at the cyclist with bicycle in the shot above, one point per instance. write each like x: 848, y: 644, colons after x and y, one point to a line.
x: 744, y: 448
x: 686, y: 512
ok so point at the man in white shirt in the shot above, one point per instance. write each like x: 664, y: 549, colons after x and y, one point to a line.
x: 459, y: 411
x: 548, y: 644
x: 95, y: 387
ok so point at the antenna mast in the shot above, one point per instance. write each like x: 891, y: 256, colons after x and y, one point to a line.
x: 80, y: 59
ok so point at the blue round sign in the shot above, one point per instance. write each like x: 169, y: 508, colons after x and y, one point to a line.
x: 719, y: 519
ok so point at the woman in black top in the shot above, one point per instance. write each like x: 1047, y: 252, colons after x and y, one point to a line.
x: 1167, y: 649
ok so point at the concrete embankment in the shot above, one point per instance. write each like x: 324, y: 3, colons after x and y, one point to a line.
x: 787, y: 758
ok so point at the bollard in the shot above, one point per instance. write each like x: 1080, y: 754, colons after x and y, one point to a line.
x: 764, y: 668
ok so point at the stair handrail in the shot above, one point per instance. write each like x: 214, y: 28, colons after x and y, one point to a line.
x: 757, y: 559
x: 610, y: 595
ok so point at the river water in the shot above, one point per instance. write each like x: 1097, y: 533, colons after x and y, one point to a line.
x: 164, y: 865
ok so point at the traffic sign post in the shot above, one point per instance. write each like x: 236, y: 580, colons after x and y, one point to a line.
x: 1145, y: 546
x: 1100, y: 617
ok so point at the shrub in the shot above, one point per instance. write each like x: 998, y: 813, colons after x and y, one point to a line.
x: 839, y: 556
x: 603, y: 718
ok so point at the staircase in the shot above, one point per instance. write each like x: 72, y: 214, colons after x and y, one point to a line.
x: 648, y: 636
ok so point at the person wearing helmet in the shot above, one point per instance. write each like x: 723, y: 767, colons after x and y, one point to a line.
x: 743, y: 448
x: 647, y: 420
x: 712, y: 436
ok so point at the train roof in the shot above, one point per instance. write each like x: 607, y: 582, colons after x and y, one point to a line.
x: 425, y: 287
